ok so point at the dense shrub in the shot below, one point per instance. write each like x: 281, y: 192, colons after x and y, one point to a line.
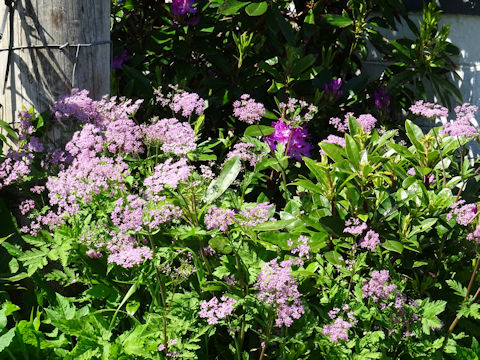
x: 142, y: 243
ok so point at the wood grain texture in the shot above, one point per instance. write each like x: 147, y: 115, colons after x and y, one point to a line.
x: 39, y: 76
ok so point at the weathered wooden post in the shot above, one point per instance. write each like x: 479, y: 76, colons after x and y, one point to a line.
x: 57, y: 45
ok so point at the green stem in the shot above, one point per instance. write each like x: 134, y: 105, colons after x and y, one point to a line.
x: 269, y: 331
x: 455, y: 321
x: 441, y: 159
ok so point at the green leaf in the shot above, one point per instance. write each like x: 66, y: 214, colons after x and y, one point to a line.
x: 257, y: 9
x: 6, y: 339
x: 258, y: 130
x: 221, y: 244
x: 229, y: 173
x: 338, y: 20
x: 353, y: 151
x: 34, y: 259
x: 333, y: 151
x: 334, y: 257
x: 415, y: 134
x: 303, y: 64
x: 231, y: 7
x: 458, y: 288
x: 393, y: 245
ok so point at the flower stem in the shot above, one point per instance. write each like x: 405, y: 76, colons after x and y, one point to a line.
x: 455, y: 321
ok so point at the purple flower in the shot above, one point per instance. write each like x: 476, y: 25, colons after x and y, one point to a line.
x: 119, y: 59
x: 381, y: 99
x: 127, y: 256
x: 475, y: 235
x: 168, y: 173
x: 295, y: 139
x: 332, y: 88
x: 182, y: 7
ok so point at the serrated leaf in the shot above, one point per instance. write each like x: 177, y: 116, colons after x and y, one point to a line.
x: 34, y: 259
x: 458, y: 288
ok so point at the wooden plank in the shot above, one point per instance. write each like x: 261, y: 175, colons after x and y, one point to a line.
x: 39, y: 76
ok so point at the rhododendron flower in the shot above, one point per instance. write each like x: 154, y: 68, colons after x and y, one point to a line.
x: 381, y: 99
x: 119, y: 59
x: 332, y: 88
x: 295, y: 139
x: 182, y: 7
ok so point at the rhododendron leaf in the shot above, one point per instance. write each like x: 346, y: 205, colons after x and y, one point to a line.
x: 338, y: 20
x: 334, y: 258
x: 425, y: 226
x: 302, y: 64
x: 229, y: 173
x: 308, y: 185
x: 257, y: 9
x: 231, y: 7
x: 393, y: 245
x: 415, y: 134
x: 333, y: 151
x: 258, y: 130
x: 353, y: 151
x: 353, y: 126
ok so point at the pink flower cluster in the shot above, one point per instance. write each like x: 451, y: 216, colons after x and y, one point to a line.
x: 181, y: 101
x: 253, y: 215
x: 337, y: 330
x: 354, y: 226
x: 247, y: 110
x: 370, y: 241
x: 464, y: 213
x: 175, y: 137
x: 462, y: 126
x: 168, y: 173
x: 334, y: 139
x: 366, y: 121
x: 277, y: 287
x: 475, y: 235
x: 128, y: 213
x: 292, y: 111
x: 377, y: 287
x: 302, y: 249
x: 128, y: 256
x: 213, y: 310
x: 428, y: 110
x: 219, y: 218
x: 246, y: 153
